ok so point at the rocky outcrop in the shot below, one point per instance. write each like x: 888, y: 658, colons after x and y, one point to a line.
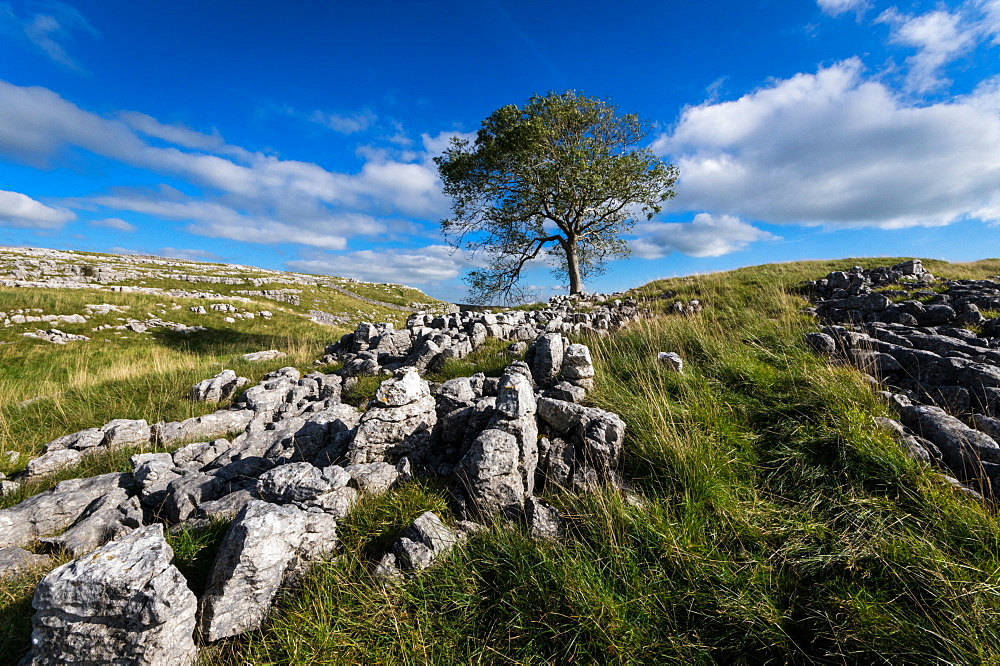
x: 291, y: 460
x: 429, y: 340
x: 929, y: 346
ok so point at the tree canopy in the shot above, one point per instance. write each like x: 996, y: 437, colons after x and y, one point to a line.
x: 561, y: 178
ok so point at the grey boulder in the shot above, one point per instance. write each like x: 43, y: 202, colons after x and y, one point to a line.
x: 264, y: 545
x: 123, y: 603
x: 55, y: 509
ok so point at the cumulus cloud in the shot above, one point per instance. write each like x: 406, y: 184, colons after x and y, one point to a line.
x: 434, y: 263
x: 278, y: 200
x: 114, y: 223
x: 705, y: 236
x: 838, y: 7
x: 20, y: 210
x: 834, y: 148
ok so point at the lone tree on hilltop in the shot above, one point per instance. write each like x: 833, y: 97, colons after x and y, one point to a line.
x: 562, y: 178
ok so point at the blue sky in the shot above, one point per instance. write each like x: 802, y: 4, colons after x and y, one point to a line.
x: 300, y: 136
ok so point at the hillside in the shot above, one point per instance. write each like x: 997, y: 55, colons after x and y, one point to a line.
x: 155, y: 325
x: 761, y: 515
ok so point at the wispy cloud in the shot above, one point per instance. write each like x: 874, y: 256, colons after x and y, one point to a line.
x: 838, y: 7
x: 48, y: 29
x: 345, y: 124
x: 426, y: 265
x: 187, y: 255
x: 114, y: 223
x: 245, y: 195
x: 20, y: 210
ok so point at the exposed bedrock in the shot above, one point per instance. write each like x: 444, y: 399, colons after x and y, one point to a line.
x: 928, y: 344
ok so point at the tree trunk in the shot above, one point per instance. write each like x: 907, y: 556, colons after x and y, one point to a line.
x: 573, y: 267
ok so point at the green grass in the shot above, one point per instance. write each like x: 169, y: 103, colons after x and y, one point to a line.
x: 768, y: 521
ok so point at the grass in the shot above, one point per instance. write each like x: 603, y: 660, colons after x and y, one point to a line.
x: 767, y: 521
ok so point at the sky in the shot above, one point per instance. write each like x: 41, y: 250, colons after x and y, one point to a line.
x: 301, y: 135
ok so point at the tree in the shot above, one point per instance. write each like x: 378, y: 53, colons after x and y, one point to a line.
x: 561, y: 178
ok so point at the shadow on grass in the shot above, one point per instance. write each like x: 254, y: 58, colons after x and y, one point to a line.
x: 229, y: 341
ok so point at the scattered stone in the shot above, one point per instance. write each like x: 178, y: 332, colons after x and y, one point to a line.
x: 424, y: 541
x: 672, y: 360
x: 263, y: 355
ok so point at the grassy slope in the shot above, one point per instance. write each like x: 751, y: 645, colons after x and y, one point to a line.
x: 770, y: 522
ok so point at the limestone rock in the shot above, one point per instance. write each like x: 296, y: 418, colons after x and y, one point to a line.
x: 14, y: 560
x: 262, y: 547
x: 672, y: 360
x: 220, y: 387
x: 577, y: 366
x: 424, y: 541
x: 597, y: 435
x: 55, y: 509
x: 201, y: 428
x: 107, y: 518
x: 373, y: 478
x: 184, y: 494
x: 388, y: 432
x: 544, y: 521
x: 123, y: 603
x: 263, y: 355
x: 51, y: 462
x: 298, y: 482
x: 546, y: 358
x: 489, y: 478
x: 120, y: 433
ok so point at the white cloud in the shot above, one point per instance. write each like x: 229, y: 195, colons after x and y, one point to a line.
x: 218, y: 221
x: 175, y: 134
x: 705, y: 236
x: 20, y: 210
x: 833, y: 148
x: 357, y: 122
x: 940, y: 37
x: 276, y: 200
x: 838, y: 7
x: 437, y: 144
x: 187, y: 255
x: 47, y: 31
x: 434, y: 263
x: 114, y: 223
